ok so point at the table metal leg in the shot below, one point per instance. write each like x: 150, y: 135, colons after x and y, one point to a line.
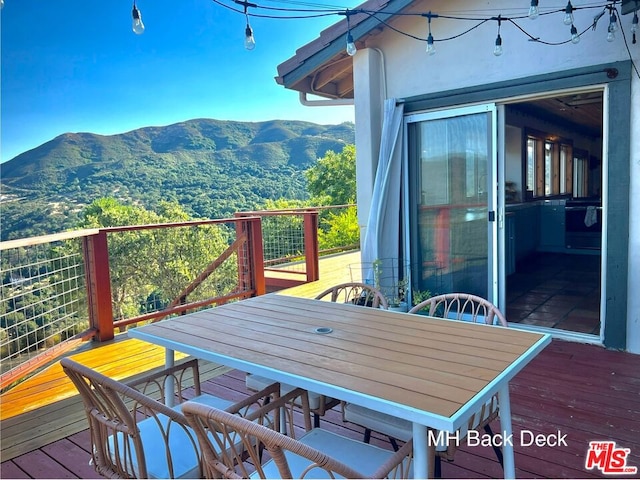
x: 169, y: 384
x: 420, y: 451
x: 507, y: 430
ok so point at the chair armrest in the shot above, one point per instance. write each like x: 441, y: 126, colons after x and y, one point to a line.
x: 396, y: 461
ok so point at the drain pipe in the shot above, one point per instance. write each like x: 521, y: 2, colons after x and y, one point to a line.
x: 324, y: 103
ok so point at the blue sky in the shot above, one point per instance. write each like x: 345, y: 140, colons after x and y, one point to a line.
x: 76, y: 66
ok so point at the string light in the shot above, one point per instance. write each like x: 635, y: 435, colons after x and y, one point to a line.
x: 249, y: 40
x: 431, y: 49
x: 613, y: 25
x: 497, y: 50
x: 351, y: 46
x: 381, y: 17
x: 575, y: 36
x: 136, y: 23
x: 613, y: 21
x: 568, y: 14
x: 534, y: 11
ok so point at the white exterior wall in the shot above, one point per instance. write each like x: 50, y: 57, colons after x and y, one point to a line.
x: 368, y: 79
x: 468, y: 61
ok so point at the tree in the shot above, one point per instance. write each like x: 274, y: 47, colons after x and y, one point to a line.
x: 339, y: 230
x: 332, y: 180
x: 158, y: 263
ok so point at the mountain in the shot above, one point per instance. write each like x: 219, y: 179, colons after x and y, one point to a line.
x: 213, y: 168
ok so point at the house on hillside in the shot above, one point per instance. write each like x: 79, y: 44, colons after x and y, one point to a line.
x: 497, y: 151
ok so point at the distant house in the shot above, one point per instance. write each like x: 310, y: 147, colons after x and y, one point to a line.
x: 517, y: 175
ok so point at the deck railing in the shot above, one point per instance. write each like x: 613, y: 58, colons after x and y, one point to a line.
x: 60, y: 290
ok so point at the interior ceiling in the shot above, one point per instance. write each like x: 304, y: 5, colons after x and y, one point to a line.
x: 581, y: 111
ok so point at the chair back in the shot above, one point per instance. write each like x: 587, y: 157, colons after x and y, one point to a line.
x: 114, y: 411
x: 356, y: 293
x: 240, y: 438
x: 462, y: 306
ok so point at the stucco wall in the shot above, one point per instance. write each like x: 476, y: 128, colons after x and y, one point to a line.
x: 408, y: 71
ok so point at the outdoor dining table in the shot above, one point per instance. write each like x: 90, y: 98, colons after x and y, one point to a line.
x: 433, y: 372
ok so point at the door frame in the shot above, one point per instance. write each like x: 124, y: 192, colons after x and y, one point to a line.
x: 495, y: 234
x: 617, y: 77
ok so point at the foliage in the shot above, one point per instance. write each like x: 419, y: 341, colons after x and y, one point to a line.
x: 210, y: 168
x: 157, y: 264
x: 419, y: 296
x: 332, y: 180
x: 339, y: 229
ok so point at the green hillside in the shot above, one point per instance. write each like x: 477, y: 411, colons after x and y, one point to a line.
x: 212, y: 168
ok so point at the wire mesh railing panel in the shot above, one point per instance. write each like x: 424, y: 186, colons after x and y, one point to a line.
x: 284, y: 242
x: 43, y: 299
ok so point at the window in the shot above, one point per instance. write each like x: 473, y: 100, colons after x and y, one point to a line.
x: 580, y: 178
x: 549, y: 165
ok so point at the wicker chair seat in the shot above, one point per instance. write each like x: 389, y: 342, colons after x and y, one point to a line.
x: 185, y: 458
x: 362, y: 457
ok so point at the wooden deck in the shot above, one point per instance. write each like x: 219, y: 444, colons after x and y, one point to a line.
x: 582, y: 391
x: 46, y: 407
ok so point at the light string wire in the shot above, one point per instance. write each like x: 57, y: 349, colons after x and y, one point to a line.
x: 313, y: 10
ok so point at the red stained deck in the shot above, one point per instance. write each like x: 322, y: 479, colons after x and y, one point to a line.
x: 582, y: 391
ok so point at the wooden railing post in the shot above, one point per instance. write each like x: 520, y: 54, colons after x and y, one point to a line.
x: 251, y: 258
x: 311, y: 248
x: 98, y: 280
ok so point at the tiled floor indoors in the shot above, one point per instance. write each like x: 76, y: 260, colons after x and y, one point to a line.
x: 557, y: 291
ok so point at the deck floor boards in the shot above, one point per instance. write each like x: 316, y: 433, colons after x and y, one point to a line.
x: 585, y: 391
x: 546, y: 397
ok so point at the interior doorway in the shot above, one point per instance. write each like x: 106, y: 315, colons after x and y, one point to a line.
x: 554, y: 212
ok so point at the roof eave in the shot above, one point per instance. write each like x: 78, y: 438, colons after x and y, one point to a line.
x: 295, y: 72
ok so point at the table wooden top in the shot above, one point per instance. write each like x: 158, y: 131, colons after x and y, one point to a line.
x: 428, y: 370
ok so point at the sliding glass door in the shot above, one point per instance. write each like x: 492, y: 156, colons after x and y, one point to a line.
x: 452, y: 199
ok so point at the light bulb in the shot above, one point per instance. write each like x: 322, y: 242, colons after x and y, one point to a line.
x: 568, y: 14
x: 534, y: 11
x: 613, y: 22
x: 249, y: 41
x: 497, y: 51
x: 575, y: 37
x: 611, y: 34
x: 136, y: 24
x: 1, y: 3
x: 351, y: 46
x: 634, y: 23
x: 431, y: 49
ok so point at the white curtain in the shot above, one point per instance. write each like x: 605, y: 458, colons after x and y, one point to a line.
x: 381, y: 241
